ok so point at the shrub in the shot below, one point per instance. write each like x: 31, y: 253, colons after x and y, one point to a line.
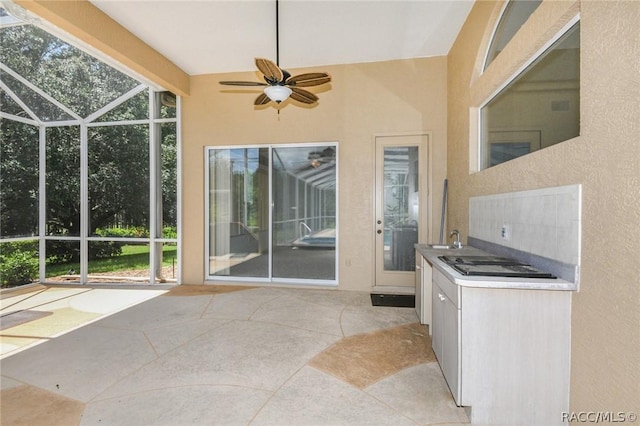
x: 170, y: 232
x: 18, y: 263
x: 104, y: 249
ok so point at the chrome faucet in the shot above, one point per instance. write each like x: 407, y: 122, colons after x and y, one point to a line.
x: 456, y: 244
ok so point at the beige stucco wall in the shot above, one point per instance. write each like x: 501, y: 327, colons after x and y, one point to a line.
x: 416, y: 95
x: 362, y: 101
x: 605, y: 159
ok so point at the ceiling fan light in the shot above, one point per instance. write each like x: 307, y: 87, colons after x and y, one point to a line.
x: 277, y: 93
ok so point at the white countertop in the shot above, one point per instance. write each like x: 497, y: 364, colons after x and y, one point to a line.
x: 431, y: 255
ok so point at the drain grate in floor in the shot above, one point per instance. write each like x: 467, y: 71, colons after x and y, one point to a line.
x: 395, y: 300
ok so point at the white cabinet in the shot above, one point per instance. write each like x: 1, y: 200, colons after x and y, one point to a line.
x: 446, y: 330
x: 504, y: 352
x: 423, y: 290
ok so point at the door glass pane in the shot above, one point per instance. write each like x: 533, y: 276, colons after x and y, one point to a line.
x: 238, y: 212
x: 304, y: 212
x: 400, y: 196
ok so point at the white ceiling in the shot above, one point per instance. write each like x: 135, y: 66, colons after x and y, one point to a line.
x: 216, y: 36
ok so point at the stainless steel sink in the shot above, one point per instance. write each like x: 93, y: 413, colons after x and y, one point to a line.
x: 440, y: 247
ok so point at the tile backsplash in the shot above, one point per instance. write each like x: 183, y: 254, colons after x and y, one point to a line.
x: 544, y: 222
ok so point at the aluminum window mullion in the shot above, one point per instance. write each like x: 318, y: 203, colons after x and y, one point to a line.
x: 207, y: 214
x: 38, y: 91
x: 84, y: 203
x: 116, y: 102
x: 153, y: 199
x: 119, y: 123
x: 64, y: 123
x: 42, y: 201
x: 271, y: 205
x: 17, y: 100
x: 179, y: 185
x: 12, y: 117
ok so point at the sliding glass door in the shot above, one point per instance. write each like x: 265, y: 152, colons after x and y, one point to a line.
x: 272, y: 213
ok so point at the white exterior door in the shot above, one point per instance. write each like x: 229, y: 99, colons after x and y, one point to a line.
x: 401, y: 182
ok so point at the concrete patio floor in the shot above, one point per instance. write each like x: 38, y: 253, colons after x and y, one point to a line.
x: 213, y: 355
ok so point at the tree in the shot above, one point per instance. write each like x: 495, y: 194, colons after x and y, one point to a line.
x: 118, y: 156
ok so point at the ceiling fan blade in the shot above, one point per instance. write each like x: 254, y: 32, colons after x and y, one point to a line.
x: 272, y: 73
x: 309, y: 79
x: 303, y: 96
x: 262, y: 99
x: 243, y: 83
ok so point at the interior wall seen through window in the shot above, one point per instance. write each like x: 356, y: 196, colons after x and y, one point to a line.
x: 539, y: 108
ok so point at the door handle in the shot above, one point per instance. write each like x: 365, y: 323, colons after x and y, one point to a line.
x: 379, y: 231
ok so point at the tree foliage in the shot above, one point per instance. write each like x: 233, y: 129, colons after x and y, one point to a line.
x: 118, y: 155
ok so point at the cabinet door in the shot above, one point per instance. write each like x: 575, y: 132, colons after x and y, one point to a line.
x: 445, y: 339
x: 451, y: 348
x: 419, y: 288
x: 437, y: 320
x: 423, y: 291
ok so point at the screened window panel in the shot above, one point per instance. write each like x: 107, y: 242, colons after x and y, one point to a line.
x: 81, y: 82
x: 22, y: 258
x: 63, y: 181
x: 136, y: 108
x: 169, y: 179
x: 9, y: 106
x: 41, y: 107
x: 62, y: 261
x: 119, y: 178
x: 108, y: 260
x: 59, y: 83
x: 19, y: 179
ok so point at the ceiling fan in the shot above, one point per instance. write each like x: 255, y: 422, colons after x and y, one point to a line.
x: 279, y: 84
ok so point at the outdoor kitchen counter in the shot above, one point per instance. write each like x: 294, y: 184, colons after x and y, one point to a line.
x: 431, y: 255
x: 511, y: 336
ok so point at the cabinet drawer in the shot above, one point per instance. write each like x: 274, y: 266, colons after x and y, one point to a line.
x: 450, y: 289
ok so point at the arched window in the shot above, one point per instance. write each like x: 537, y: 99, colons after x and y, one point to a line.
x: 515, y: 13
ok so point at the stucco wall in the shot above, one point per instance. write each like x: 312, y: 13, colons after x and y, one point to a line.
x: 363, y: 100
x: 605, y: 159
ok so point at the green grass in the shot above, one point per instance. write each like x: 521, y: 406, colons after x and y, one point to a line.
x: 133, y: 257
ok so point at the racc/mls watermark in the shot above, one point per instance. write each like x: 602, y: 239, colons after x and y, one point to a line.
x: 599, y: 417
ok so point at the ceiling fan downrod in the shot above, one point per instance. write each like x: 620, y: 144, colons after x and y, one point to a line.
x: 278, y: 84
x: 277, y: 33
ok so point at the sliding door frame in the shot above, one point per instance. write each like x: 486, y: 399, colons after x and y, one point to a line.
x: 270, y: 279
